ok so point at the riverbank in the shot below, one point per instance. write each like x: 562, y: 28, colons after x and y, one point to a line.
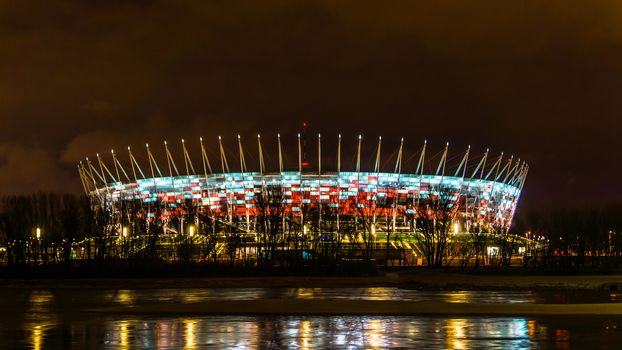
x: 429, y: 280
x: 423, y: 280
x: 363, y: 307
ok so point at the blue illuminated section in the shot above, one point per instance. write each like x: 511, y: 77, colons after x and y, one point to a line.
x: 481, y: 201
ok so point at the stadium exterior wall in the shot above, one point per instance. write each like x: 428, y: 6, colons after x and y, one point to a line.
x: 477, y: 201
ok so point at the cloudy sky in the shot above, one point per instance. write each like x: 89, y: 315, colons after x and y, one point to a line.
x: 541, y: 80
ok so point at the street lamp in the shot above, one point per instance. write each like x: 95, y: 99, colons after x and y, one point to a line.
x: 38, y: 236
x: 191, y: 230
x: 124, y: 232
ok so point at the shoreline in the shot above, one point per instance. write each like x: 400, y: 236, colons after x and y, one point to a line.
x: 364, y: 307
x: 428, y: 280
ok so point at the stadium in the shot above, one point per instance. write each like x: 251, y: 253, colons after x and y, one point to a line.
x: 467, y: 192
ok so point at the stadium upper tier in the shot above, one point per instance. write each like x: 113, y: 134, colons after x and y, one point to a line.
x: 489, y: 195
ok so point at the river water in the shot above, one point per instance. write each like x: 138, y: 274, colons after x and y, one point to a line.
x: 59, y: 319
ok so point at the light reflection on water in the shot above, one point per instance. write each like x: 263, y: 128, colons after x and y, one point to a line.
x: 124, y: 297
x: 364, y: 332
x: 190, y: 334
x: 356, y: 332
x: 140, y: 296
x: 455, y: 333
x: 313, y: 332
x: 86, y: 298
x: 43, y: 319
x: 38, y: 318
x: 37, y: 337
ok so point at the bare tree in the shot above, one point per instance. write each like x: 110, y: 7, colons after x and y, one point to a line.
x: 434, y: 216
x: 270, y: 211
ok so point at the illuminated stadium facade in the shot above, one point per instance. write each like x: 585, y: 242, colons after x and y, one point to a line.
x: 478, y: 191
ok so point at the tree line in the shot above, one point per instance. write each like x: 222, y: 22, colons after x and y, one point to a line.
x: 319, y: 236
x: 575, y: 237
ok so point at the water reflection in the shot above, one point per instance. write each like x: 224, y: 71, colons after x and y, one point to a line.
x: 39, y: 317
x: 458, y: 297
x: 375, y: 334
x: 456, y: 333
x: 124, y: 333
x: 42, y: 319
x: 80, y: 298
x: 490, y: 297
x: 355, y: 332
x: 306, y: 293
x: 190, y: 335
x: 125, y: 297
x: 163, y: 337
x: 562, y: 337
x: 37, y: 337
x: 304, y: 334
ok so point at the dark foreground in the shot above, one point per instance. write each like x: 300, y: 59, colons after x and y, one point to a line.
x: 315, y: 317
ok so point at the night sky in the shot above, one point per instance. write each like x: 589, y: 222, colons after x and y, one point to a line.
x: 538, y: 79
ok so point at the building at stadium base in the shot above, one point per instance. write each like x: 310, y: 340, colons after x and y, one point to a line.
x: 470, y: 193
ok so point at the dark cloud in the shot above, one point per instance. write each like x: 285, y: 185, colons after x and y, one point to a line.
x: 536, y: 79
x: 24, y: 169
